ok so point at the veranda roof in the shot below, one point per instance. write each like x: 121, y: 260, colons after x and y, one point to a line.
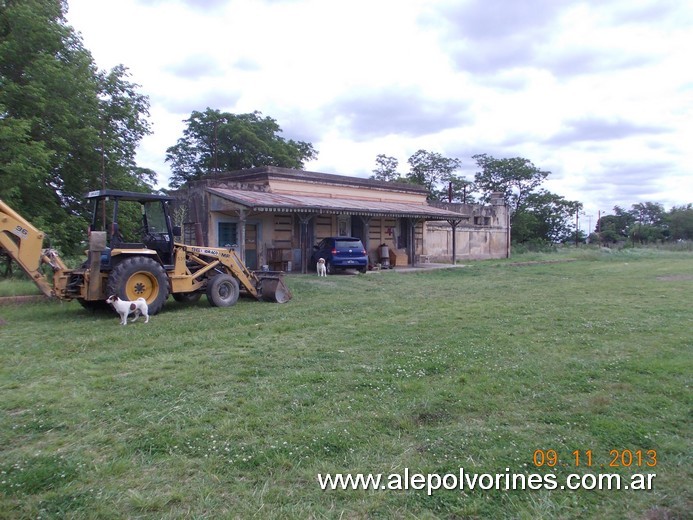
x: 262, y: 201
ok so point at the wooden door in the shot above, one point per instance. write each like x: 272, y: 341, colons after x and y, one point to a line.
x: 251, y: 246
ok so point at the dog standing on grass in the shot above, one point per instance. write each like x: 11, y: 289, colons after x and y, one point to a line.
x: 322, y: 270
x: 125, y: 308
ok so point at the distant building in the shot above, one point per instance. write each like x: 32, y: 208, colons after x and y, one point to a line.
x: 274, y: 216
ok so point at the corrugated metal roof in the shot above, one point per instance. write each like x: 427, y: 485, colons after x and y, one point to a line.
x: 265, y: 174
x: 281, y: 203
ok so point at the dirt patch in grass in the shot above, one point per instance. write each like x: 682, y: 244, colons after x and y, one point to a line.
x: 13, y: 300
x: 540, y: 262
x: 659, y: 513
x: 675, y: 278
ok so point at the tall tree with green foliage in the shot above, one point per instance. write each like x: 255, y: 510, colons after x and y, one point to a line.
x: 515, y: 177
x: 454, y: 189
x: 613, y: 228
x: 545, y: 217
x: 123, y: 123
x: 386, y: 169
x: 430, y: 169
x: 680, y: 222
x: 215, y: 141
x: 49, y: 105
x: 649, y: 223
x: 61, y: 121
x: 646, y: 222
x: 537, y: 215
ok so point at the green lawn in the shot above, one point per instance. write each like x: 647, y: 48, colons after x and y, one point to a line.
x: 232, y: 413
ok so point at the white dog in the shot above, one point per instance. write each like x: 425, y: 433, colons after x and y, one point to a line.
x: 124, y: 308
x: 322, y: 270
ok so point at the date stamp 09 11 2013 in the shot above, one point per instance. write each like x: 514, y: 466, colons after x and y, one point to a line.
x: 617, y: 459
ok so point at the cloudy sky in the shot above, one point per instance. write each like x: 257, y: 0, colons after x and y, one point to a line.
x: 598, y: 92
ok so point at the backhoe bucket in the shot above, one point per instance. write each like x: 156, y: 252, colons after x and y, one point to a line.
x: 273, y: 288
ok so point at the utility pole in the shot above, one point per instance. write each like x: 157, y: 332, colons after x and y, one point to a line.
x: 103, y: 177
x: 216, y: 141
x: 577, y: 229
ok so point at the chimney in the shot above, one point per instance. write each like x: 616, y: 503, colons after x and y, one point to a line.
x: 497, y: 199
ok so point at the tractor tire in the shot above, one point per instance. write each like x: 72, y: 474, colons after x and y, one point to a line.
x: 139, y: 277
x: 189, y: 297
x: 222, y: 290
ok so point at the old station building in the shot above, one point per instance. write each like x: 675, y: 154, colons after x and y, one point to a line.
x: 274, y: 216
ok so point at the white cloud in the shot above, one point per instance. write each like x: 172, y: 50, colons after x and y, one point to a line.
x: 599, y: 93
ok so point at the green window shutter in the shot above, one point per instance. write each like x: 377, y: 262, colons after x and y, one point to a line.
x: 227, y: 234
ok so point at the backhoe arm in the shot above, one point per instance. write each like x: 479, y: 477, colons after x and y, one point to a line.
x: 24, y: 244
x: 267, y: 286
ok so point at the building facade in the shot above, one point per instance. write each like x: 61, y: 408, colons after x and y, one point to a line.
x: 274, y: 216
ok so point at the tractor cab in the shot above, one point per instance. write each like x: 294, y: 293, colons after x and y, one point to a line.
x: 135, y: 223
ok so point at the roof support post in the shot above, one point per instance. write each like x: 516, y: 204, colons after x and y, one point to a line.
x: 304, y: 219
x: 366, y: 231
x: 454, y: 224
x: 413, y: 222
x: 241, y: 234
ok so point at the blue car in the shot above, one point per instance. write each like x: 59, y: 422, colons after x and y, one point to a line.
x: 341, y: 253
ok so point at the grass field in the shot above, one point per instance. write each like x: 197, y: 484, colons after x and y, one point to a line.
x: 232, y: 413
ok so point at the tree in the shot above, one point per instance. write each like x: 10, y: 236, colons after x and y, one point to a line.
x: 649, y: 226
x: 219, y: 141
x: 648, y: 213
x: 57, y: 113
x: 680, y: 222
x: 123, y: 124
x: 455, y: 189
x: 429, y: 169
x: 515, y: 177
x: 386, y: 169
x: 644, y: 222
x: 48, y: 99
x: 536, y: 214
x: 546, y: 217
x: 647, y: 222
x: 613, y: 228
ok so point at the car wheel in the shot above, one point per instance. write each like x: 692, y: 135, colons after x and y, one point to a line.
x: 329, y: 267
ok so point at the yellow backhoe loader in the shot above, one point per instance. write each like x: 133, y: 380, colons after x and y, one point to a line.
x: 148, y: 264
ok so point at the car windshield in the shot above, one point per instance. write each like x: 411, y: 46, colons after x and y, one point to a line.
x: 348, y: 244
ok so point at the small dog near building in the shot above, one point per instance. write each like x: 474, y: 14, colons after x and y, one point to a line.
x: 322, y: 270
x: 125, y: 308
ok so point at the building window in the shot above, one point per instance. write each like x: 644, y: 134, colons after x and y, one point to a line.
x: 482, y: 221
x: 343, y: 222
x: 228, y: 234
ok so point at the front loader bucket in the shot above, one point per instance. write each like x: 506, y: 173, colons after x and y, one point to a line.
x: 273, y: 288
